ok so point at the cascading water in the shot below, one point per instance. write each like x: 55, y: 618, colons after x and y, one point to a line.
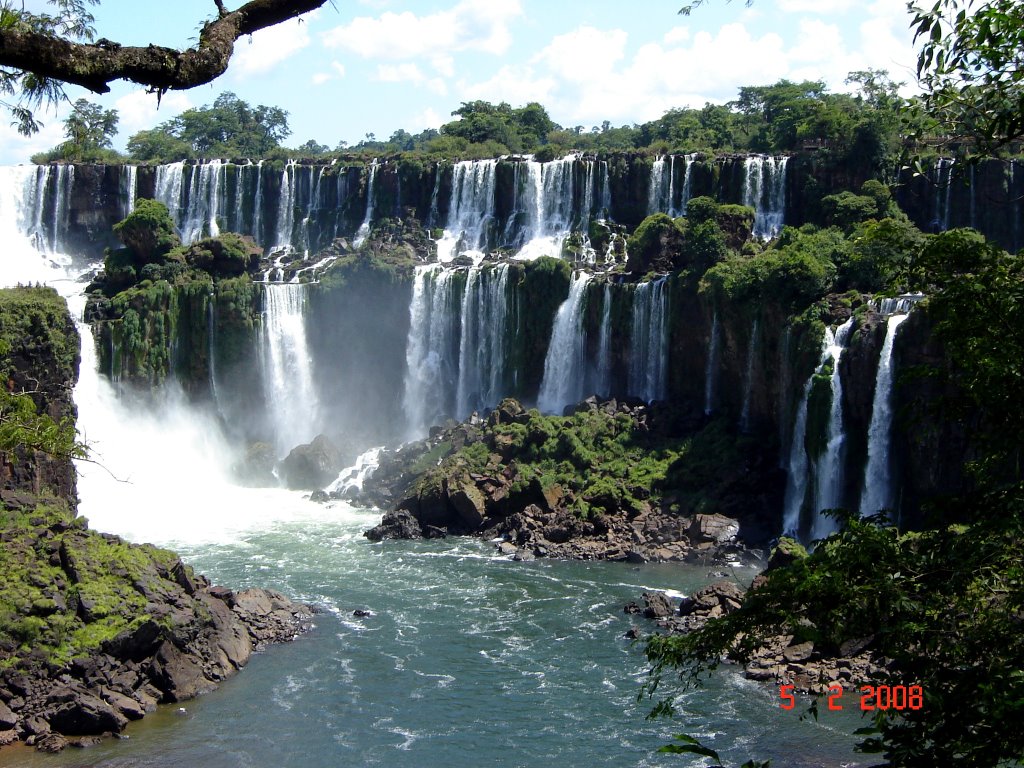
x: 603, y: 366
x: 764, y: 190
x: 687, y: 182
x: 432, y: 348
x: 548, y: 195
x: 448, y: 617
x: 748, y: 379
x: 828, y: 469
x: 711, y: 371
x: 656, y: 195
x: 648, y: 365
x: 798, y: 465
x: 877, y: 491
x: 287, y: 367
x: 257, y: 207
x: 364, y: 228
x: 286, y: 209
x: 352, y: 478
x: 482, y: 352
x: 943, y: 192
x: 129, y: 185
x: 471, y: 210
x: 565, y: 363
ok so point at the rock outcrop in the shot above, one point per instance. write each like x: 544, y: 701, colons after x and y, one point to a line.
x: 94, y: 631
x: 496, y: 478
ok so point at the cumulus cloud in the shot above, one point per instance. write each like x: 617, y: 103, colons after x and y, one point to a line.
x: 139, y: 110
x: 15, y: 148
x: 319, y: 78
x: 265, y: 49
x: 821, y: 7
x: 478, y: 25
x: 408, y: 72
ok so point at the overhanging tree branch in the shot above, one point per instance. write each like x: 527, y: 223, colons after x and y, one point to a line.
x: 95, y: 66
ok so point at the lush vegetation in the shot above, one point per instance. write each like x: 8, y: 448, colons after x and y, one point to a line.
x: 34, y: 326
x: 154, y: 295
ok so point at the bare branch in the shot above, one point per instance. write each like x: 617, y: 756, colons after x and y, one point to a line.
x: 95, y: 66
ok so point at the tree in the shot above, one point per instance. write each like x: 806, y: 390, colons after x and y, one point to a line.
x: 971, y: 65
x: 39, y: 52
x: 90, y: 127
x: 229, y: 127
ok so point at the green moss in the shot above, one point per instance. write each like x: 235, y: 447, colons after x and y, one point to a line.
x: 65, y: 590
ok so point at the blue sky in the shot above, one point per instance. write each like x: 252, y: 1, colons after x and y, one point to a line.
x: 373, y: 66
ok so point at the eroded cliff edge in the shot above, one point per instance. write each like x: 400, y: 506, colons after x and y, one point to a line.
x: 95, y: 631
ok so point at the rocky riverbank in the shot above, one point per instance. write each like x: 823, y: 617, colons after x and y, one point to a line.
x: 782, y: 659
x: 612, y: 480
x: 94, y: 631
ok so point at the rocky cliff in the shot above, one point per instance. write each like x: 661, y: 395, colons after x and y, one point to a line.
x: 95, y: 632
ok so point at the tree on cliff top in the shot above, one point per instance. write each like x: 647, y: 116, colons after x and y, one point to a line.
x: 40, y: 52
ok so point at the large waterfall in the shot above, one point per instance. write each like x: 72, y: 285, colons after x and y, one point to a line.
x: 602, y: 380
x: 877, y: 494
x: 828, y: 470
x: 25, y: 229
x: 565, y: 365
x: 288, y: 377
x: 764, y: 190
x: 482, y: 340
x: 432, y: 350
x: 798, y: 465
x: 471, y: 210
x: 648, y: 366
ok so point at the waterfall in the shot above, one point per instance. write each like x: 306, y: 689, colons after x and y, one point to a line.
x: 587, y: 209
x: 764, y: 190
x: 829, y: 467
x: 603, y: 373
x: 471, y: 210
x: 482, y: 350
x: 943, y: 189
x: 687, y: 183
x: 711, y: 371
x: 352, y: 478
x: 748, y: 379
x: 285, y: 223
x: 23, y: 261
x: 565, y: 365
x: 204, y: 197
x: 211, y: 347
x: 129, y: 184
x: 606, y: 192
x: 168, y: 189
x: 797, y: 475
x: 878, y: 491
x: 287, y: 368
x: 32, y: 202
x: 549, y: 192
x: 648, y: 365
x: 257, y: 208
x: 433, y: 216
x: 432, y: 348
x: 656, y: 189
x: 364, y: 228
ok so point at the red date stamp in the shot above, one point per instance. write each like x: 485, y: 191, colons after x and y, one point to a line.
x: 872, y: 698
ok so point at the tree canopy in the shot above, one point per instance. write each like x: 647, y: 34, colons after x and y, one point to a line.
x: 40, y: 52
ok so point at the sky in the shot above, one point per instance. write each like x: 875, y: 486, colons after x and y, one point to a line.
x: 357, y: 67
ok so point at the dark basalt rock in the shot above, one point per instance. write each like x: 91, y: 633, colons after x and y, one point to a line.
x: 397, y: 524
x: 312, y: 466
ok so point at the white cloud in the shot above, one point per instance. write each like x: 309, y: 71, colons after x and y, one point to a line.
x: 138, y: 110
x: 319, y: 78
x: 428, y: 118
x: 584, y: 54
x: 15, y: 148
x: 822, y: 7
x: 265, y: 49
x: 408, y: 72
x: 480, y: 25
x: 676, y: 35
x: 514, y: 84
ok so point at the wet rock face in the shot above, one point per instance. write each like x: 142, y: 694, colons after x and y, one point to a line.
x: 312, y: 466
